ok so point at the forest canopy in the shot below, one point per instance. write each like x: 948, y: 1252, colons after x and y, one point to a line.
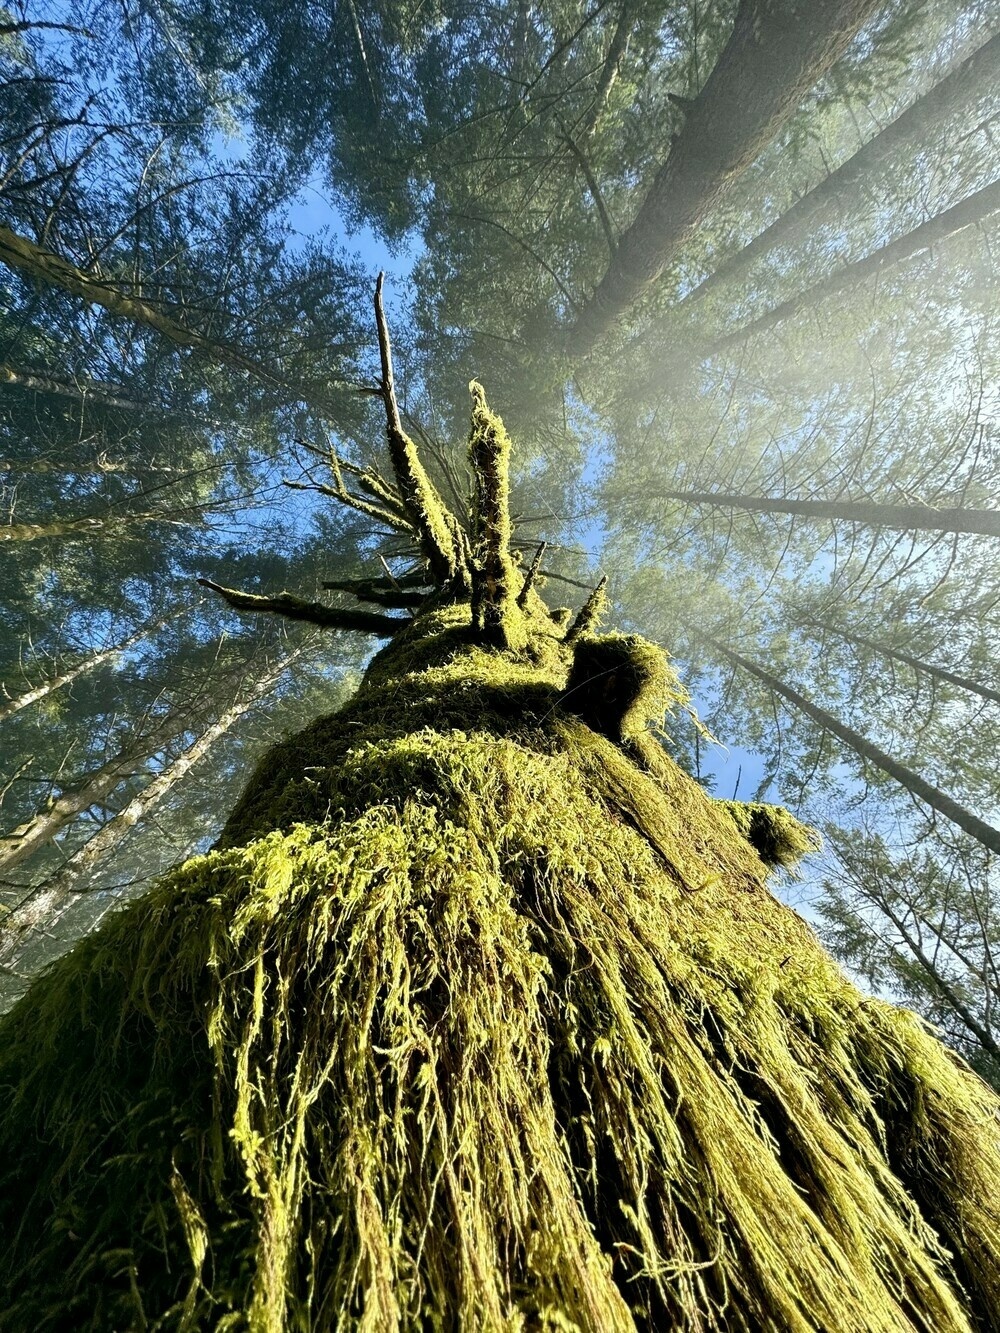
x: 727, y: 270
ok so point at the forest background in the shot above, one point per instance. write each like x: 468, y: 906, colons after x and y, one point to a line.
x: 739, y: 314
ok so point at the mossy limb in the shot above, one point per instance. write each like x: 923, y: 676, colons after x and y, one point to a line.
x: 496, y: 609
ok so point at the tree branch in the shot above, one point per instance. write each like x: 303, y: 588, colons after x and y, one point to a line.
x: 314, y: 613
x: 374, y: 591
x: 589, y: 615
x: 531, y: 576
x: 420, y: 498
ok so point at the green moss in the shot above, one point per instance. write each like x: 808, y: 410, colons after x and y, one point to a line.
x: 621, y: 685
x: 483, y: 1018
x: 496, y: 612
x: 778, y: 838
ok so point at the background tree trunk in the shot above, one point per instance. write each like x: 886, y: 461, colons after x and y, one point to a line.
x: 777, y: 51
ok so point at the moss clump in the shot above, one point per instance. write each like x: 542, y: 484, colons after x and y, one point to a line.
x: 495, y: 1026
x: 621, y: 685
x: 778, y: 838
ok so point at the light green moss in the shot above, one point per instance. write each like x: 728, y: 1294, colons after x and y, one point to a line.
x: 778, y: 838
x: 483, y: 1019
x: 495, y: 608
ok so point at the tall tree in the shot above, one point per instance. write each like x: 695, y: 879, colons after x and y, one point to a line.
x: 920, y: 919
x: 774, y: 56
x: 413, y: 1043
x: 525, y: 140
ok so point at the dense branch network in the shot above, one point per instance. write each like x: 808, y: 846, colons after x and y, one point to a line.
x: 467, y: 557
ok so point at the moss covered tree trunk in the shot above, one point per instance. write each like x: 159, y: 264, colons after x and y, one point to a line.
x: 482, y: 1016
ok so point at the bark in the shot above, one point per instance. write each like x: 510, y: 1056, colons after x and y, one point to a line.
x: 906, y: 518
x: 899, y: 655
x: 969, y: 213
x: 43, y: 266
x: 914, y: 128
x: 911, y: 781
x: 82, y: 668
x: 81, y: 527
x: 90, y: 789
x: 776, y: 52
x: 49, y: 899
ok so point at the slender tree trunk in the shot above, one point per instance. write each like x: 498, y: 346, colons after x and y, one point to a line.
x: 46, y: 902
x: 42, y: 827
x: 99, y: 465
x: 940, y: 983
x: 914, y: 127
x: 82, y: 668
x: 611, y: 69
x: 899, y: 655
x: 907, y: 518
x: 42, y: 265
x: 925, y: 791
x: 776, y: 53
x: 971, y: 211
x: 85, y: 391
x: 74, y: 528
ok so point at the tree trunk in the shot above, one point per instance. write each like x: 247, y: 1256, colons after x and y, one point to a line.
x: 482, y: 1016
x: 76, y: 528
x: 82, y: 668
x: 85, y: 391
x: 89, y: 789
x: 777, y: 51
x: 45, y: 903
x: 906, y: 518
x: 913, y: 128
x: 969, y: 213
x: 912, y: 782
x: 899, y: 655
x: 41, y: 265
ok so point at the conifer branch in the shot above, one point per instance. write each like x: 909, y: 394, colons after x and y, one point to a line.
x: 369, y: 480
x: 314, y: 613
x: 590, y: 614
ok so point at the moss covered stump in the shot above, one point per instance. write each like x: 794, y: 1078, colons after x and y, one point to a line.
x: 481, y: 1016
